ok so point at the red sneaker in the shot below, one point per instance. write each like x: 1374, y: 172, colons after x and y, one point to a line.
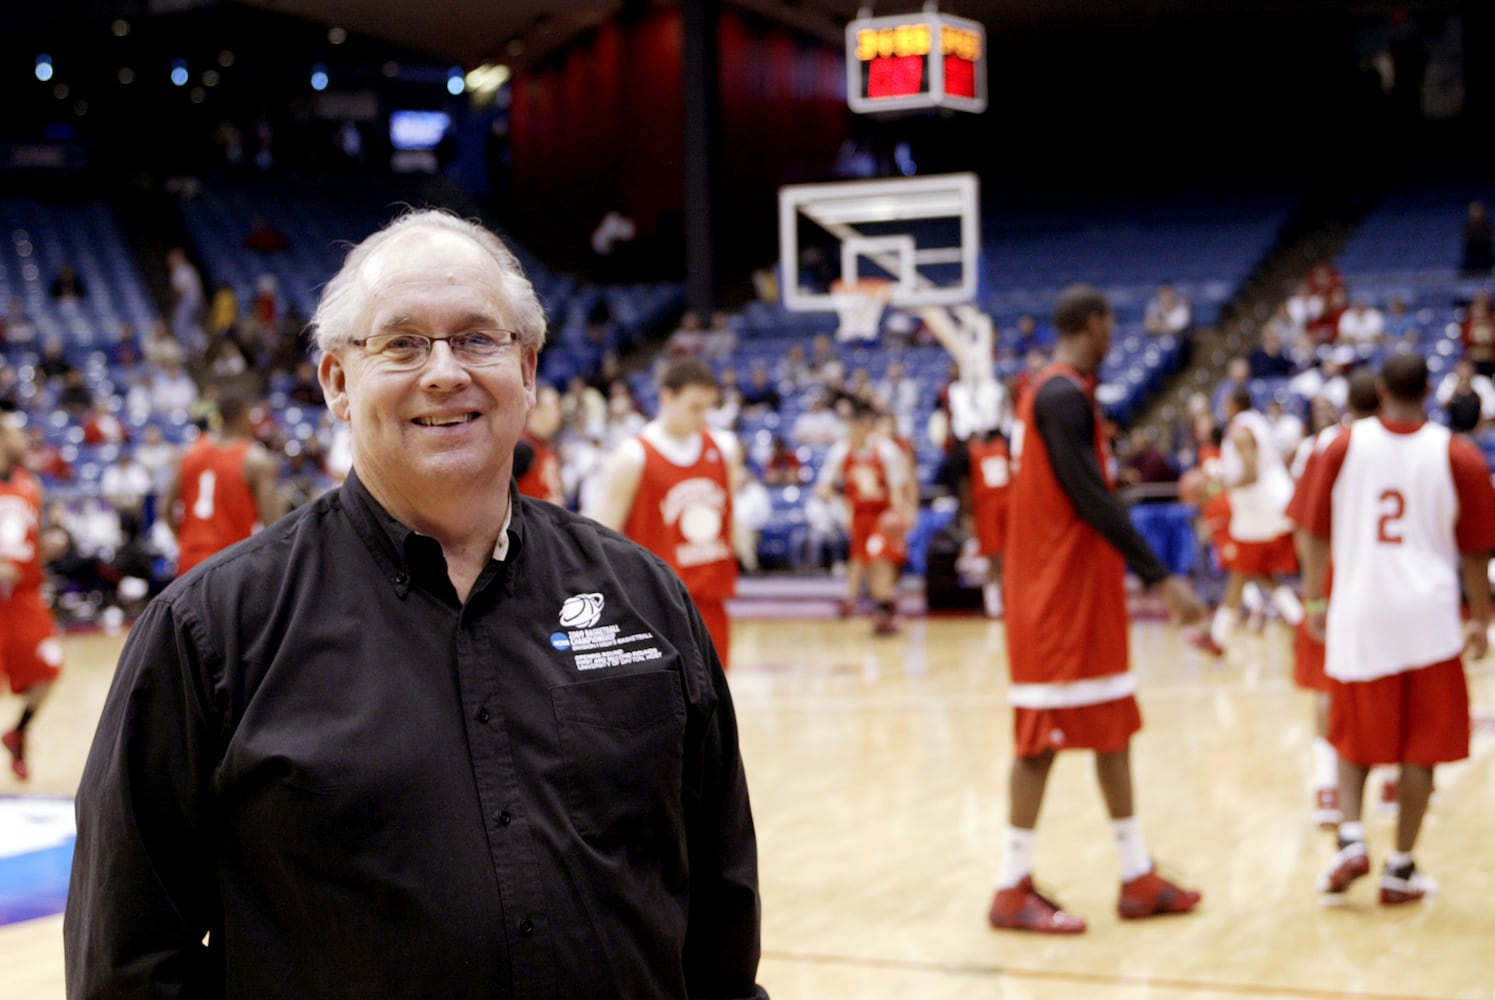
x: 1326, y: 812
x: 1405, y: 887
x: 1201, y: 639
x: 1021, y: 908
x: 1151, y: 895
x: 885, y: 624
x: 1349, y: 864
x: 15, y: 742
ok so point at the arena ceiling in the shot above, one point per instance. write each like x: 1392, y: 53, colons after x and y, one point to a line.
x: 517, y: 31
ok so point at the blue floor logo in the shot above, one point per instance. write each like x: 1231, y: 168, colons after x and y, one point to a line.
x: 36, y: 853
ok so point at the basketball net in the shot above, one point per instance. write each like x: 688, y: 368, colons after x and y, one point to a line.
x: 860, y: 304
x: 978, y: 402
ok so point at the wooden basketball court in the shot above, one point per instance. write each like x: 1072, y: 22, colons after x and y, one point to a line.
x: 877, y: 769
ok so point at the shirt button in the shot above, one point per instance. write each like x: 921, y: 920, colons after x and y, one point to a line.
x: 526, y: 927
x: 402, y: 578
x: 504, y: 819
x: 482, y: 715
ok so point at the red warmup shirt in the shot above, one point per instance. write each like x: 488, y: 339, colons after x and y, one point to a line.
x: 20, y: 527
x: 684, y: 515
x: 218, y: 507
x: 1065, y: 584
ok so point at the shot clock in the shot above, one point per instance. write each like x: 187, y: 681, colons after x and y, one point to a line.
x: 927, y: 60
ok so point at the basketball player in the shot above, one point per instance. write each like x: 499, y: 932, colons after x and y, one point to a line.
x: 1308, y: 652
x: 872, y: 475
x: 226, y: 484
x: 537, y: 468
x: 1260, y: 546
x: 1405, y: 510
x: 1069, y: 541
x: 30, y: 649
x: 670, y: 489
x: 990, y: 483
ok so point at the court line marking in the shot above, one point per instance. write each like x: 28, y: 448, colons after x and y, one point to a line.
x: 1092, y: 978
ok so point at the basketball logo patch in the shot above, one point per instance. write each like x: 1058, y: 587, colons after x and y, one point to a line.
x: 581, y: 610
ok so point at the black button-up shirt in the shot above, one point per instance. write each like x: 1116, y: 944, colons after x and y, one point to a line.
x: 356, y: 786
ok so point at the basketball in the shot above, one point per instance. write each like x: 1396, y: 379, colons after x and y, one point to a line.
x: 1192, y: 486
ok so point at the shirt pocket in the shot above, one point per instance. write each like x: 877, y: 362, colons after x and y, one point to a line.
x: 622, y: 740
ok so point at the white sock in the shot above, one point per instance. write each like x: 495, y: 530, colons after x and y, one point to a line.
x: 1288, y: 605
x: 1350, y: 832
x: 1398, y: 859
x: 1252, y: 597
x: 1325, y: 764
x: 1130, y: 848
x: 991, y: 596
x: 1017, y: 857
x: 1222, y: 627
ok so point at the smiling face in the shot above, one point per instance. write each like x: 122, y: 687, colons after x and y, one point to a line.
x: 443, y: 432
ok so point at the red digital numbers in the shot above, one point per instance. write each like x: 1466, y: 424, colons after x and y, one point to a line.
x: 960, y: 77
x: 895, y: 76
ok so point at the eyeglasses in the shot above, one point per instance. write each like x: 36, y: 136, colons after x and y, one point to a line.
x: 408, y: 351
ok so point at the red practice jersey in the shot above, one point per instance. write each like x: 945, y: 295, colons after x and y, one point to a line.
x: 543, y: 477
x: 684, y: 515
x: 218, y: 506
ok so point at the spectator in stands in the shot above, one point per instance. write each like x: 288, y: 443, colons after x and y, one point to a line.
x: 1034, y: 361
x: 103, y: 426
x: 1237, y: 374
x: 818, y: 424
x: 624, y: 420
x: 264, y: 237
x: 1467, y: 397
x: 728, y: 409
x: 1028, y: 336
x: 1362, y: 326
x: 126, y: 483
x: 1287, y: 428
x: 1324, y: 280
x: 898, y: 393
x: 584, y: 407
x: 1330, y: 379
x: 172, y: 389
x: 54, y: 363
x: 227, y: 359
x: 1303, y: 306
x: 720, y: 340
x: 45, y: 459
x: 1145, y: 464
x: 1321, y: 416
x: 265, y: 309
x: 1167, y: 312
x: 10, y: 387
x: 825, y: 361
x: 1479, y: 251
x: 75, y: 397
x: 609, y: 370
x: 751, y: 510
x: 783, y: 467
x: 1323, y: 330
x: 760, y: 394
x: 156, y: 455
x: 17, y: 327
x: 687, y: 339
x: 223, y: 311
x: 793, y: 371
x: 305, y: 389
x: 1401, y: 325
x: 1478, y: 333
x: 611, y: 240
x: 67, y: 286
x: 1269, y: 358
x: 187, y: 301
x: 161, y: 347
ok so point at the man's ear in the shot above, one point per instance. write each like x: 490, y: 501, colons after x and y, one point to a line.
x: 334, y: 379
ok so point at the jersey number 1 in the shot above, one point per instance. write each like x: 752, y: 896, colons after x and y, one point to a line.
x: 1394, y: 505
x: 202, y: 507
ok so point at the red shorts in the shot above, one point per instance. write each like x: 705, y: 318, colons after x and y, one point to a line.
x: 1417, y: 717
x: 30, y: 648
x: 714, y: 614
x: 1277, y: 557
x: 1104, y: 728
x: 1308, y: 661
x: 990, y: 522
x: 869, y: 544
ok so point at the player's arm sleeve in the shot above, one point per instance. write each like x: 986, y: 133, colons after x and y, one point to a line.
x: 613, y: 500
x: 722, y: 942
x: 1064, y: 418
x: 143, y: 892
x: 1475, y: 530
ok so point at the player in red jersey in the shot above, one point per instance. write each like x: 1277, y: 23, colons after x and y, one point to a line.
x: 537, y: 468
x: 670, y: 489
x: 1403, y: 508
x: 872, y: 475
x: 1069, y: 541
x: 30, y: 649
x: 1308, y: 652
x: 990, y: 480
x: 226, y: 485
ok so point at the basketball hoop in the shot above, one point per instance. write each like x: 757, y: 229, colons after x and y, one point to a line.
x: 860, y: 304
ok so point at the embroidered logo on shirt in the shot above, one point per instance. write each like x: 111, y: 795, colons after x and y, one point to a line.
x: 581, y: 610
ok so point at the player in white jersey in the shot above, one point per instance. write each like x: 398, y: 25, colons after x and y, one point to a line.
x: 1406, y: 511
x: 1260, y: 548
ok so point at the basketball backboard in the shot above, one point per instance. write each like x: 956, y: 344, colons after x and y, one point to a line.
x: 922, y: 234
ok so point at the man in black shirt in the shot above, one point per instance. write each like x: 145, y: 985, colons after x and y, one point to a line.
x: 424, y: 737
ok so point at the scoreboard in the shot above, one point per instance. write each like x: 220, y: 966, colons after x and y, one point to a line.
x: 927, y: 60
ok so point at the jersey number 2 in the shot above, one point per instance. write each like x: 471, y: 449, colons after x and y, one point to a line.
x: 1394, y: 505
